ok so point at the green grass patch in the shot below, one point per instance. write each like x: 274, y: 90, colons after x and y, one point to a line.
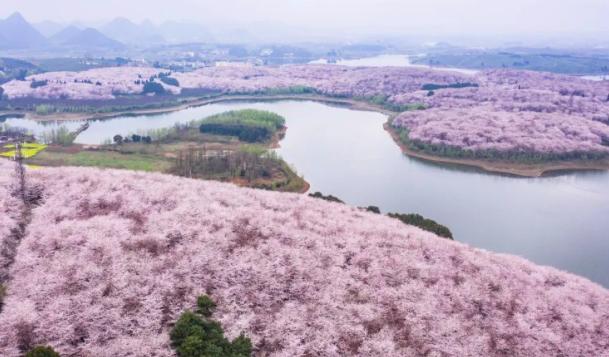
x: 103, y: 159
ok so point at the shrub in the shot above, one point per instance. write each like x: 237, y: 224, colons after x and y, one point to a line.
x: 44, y: 109
x: 426, y: 224
x: 205, y: 305
x: 199, y: 336
x: 42, y: 351
x: 193, y: 345
x: 188, y: 324
x: 37, y: 84
x: 327, y: 198
x: 433, y: 86
x: 59, y: 136
x: 170, y: 81
x: 153, y: 88
x: 242, y: 346
x: 373, y: 209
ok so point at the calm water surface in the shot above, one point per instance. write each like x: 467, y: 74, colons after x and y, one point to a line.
x: 393, y: 61
x: 560, y: 221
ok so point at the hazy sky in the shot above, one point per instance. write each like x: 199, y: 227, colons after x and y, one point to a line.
x: 396, y: 16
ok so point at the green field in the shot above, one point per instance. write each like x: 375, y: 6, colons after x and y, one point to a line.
x: 104, y: 159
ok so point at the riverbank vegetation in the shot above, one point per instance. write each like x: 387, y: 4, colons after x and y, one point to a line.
x: 186, y: 151
x: 328, y: 198
x: 251, y: 166
x: 385, y: 102
x: 514, y: 137
x: 424, y: 223
x: 411, y: 219
x: 499, y: 115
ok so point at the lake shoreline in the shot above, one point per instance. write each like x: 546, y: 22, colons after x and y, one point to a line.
x: 59, y: 117
x: 495, y: 167
x: 140, y: 155
x: 502, y: 167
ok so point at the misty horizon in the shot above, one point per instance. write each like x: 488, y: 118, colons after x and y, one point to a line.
x: 474, y: 21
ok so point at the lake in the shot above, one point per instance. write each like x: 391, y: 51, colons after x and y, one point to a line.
x: 596, y: 78
x: 559, y: 220
x: 392, y: 60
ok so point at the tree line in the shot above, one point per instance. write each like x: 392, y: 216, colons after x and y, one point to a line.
x: 248, y: 125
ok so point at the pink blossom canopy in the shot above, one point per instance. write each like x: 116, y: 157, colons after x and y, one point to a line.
x: 506, y: 110
x: 111, y: 258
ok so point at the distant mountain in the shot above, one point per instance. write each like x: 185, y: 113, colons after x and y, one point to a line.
x: 87, y: 38
x: 65, y: 35
x: 48, y: 28
x: 80, y: 25
x: 18, y: 33
x: 180, y: 32
x: 128, y: 32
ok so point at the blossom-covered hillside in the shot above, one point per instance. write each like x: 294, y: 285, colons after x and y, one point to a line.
x: 514, y: 111
x: 483, y: 128
x: 111, y: 258
x: 499, y: 109
x: 9, y: 214
x: 107, y: 83
x: 94, y: 84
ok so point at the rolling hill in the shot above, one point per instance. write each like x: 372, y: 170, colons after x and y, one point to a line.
x: 109, y: 260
